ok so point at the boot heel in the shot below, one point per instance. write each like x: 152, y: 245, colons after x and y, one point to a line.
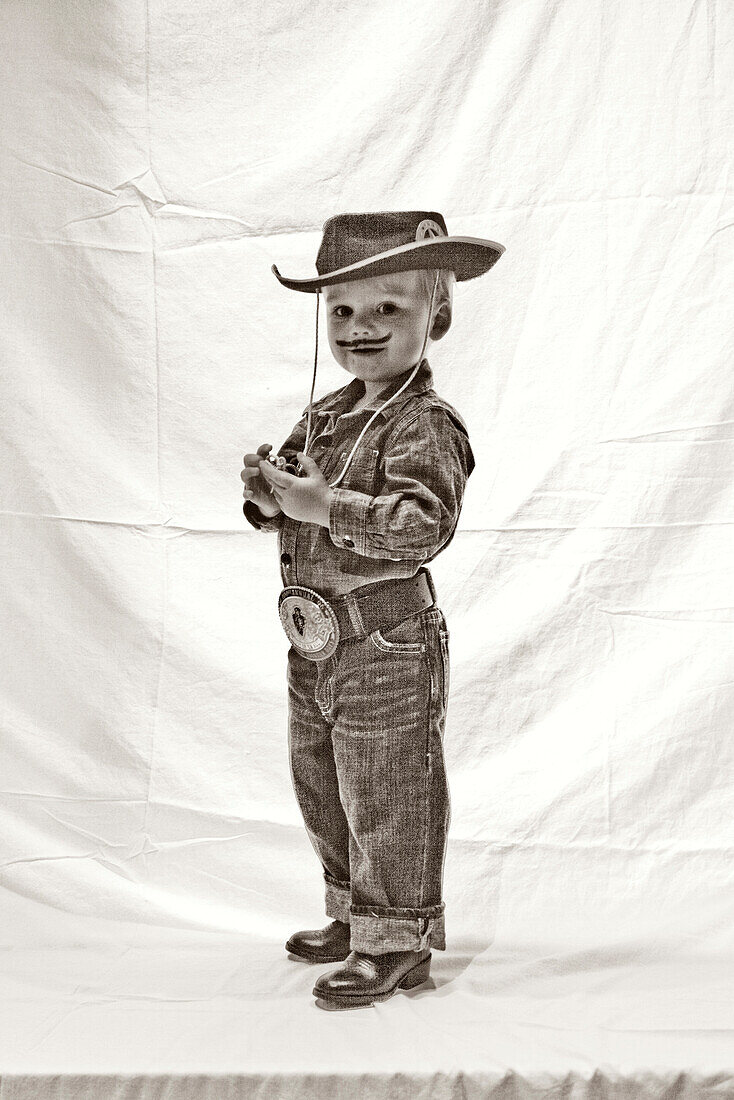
x: 417, y: 975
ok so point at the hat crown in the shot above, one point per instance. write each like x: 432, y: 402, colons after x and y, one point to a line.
x: 349, y: 238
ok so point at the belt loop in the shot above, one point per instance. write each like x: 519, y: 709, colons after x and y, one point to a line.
x: 352, y: 606
x: 431, y: 586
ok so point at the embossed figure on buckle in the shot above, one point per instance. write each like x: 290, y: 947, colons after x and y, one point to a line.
x: 309, y: 621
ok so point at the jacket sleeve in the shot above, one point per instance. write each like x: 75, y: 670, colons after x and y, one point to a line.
x: 415, y: 513
x: 294, y: 443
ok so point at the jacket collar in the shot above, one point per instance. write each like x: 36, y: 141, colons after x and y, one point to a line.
x: 343, y: 401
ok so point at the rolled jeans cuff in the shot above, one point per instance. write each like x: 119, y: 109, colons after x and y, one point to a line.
x: 338, y: 899
x: 378, y: 931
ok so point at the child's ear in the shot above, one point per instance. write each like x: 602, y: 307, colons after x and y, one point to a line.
x: 441, y: 321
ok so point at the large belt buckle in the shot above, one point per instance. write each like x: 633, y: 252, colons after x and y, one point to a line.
x: 309, y: 621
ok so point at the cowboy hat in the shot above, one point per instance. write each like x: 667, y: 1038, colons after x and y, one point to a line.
x: 360, y: 246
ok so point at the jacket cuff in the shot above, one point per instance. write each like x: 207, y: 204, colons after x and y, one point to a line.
x: 348, y: 519
x: 258, y: 520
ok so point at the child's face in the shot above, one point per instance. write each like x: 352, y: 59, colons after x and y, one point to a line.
x: 377, y: 326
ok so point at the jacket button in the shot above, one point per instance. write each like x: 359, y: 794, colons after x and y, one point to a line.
x: 286, y: 559
x: 348, y: 542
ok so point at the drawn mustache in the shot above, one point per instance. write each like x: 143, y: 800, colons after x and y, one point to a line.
x: 364, y: 343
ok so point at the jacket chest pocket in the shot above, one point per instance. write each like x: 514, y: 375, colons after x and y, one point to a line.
x: 362, y: 474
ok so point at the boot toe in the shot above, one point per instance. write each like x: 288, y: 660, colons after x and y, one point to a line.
x: 358, y: 975
x: 330, y: 944
x: 367, y: 978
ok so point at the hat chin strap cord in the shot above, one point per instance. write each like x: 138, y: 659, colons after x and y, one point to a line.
x: 377, y: 412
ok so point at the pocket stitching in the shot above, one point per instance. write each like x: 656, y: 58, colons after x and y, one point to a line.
x: 444, y: 652
x: 384, y: 646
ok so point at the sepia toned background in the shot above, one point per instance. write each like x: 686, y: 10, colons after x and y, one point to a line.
x: 156, y: 159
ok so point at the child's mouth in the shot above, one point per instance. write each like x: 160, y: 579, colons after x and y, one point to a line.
x: 366, y: 347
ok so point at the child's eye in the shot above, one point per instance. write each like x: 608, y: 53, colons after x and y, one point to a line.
x: 387, y: 308
x: 342, y: 311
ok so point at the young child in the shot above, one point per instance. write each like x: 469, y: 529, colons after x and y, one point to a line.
x: 367, y: 489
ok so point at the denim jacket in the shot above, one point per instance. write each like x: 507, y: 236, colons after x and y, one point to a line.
x: 398, y: 504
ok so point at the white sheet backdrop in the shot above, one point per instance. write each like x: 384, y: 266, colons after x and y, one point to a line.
x: 157, y: 159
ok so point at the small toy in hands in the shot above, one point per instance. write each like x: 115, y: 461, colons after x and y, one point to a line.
x: 291, y: 465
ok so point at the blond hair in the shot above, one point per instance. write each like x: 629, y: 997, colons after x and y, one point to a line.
x: 444, y: 294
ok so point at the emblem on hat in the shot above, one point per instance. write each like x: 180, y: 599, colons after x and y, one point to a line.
x: 428, y: 228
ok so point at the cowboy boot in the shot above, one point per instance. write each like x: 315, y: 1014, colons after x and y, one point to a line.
x: 330, y: 944
x: 367, y: 978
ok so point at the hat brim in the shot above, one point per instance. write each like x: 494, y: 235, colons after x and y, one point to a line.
x: 467, y: 257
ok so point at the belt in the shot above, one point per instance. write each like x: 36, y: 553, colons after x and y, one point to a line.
x: 315, y: 625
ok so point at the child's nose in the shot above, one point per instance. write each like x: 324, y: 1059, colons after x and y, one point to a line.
x: 360, y: 324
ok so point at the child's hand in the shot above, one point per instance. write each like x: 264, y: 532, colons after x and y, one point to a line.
x: 303, y: 498
x: 256, y: 487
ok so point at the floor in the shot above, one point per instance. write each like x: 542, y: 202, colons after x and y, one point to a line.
x: 210, y: 1016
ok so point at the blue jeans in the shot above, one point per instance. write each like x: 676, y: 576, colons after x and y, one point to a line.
x: 366, y: 749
